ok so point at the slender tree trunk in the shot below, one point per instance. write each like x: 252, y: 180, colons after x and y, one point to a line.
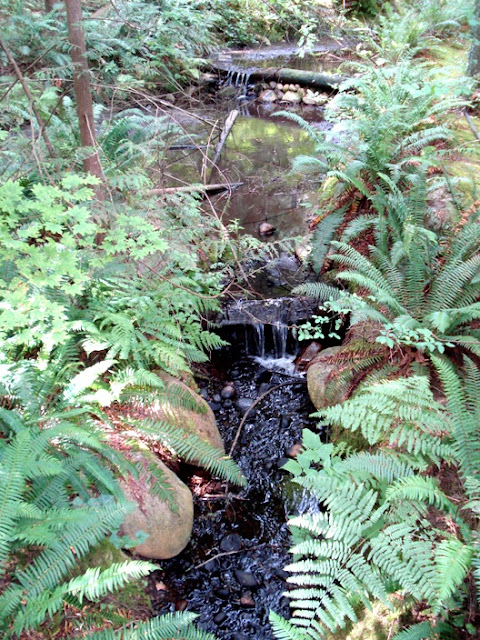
x: 474, y: 55
x: 49, y: 5
x: 81, y: 83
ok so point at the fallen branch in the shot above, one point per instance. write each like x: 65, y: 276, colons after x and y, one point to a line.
x: 192, y: 188
x: 257, y: 401
x: 227, y: 127
x: 30, y: 98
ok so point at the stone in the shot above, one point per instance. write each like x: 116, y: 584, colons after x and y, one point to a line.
x: 201, y: 423
x: 267, y: 96
x: 319, y: 374
x: 246, y: 600
x: 220, y: 617
x: 227, y: 403
x: 291, y: 96
x: 309, y: 101
x: 245, y: 578
x: 203, y: 394
x: 244, y: 404
x: 228, y: 392
x: 181, y: 605
x: 266, y: 229
x: 307, y: 355
x: 212, y: 565
x: 280, y: 86
x: 232, y: 542
x: 214, y: 406
x: 272, y: 84
x: 168, y: 531
x: 239, y: 636
x: 217, y: 398
x: 279, y: 94
x: 295, y: 450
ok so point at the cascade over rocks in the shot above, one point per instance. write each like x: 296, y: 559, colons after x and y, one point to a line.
x: 168, y: 530
x: 323, y: 389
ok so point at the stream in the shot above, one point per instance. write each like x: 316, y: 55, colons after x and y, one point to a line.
x: 231, y: 573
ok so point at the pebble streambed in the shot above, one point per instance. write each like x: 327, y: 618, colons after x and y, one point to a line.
x: 231, y: 573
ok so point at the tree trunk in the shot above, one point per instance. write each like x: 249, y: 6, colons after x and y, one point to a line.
x: 49, y: 4
x: 474, y: 54
x: 81, y: 83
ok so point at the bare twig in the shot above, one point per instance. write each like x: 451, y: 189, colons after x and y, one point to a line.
x: 29, y: 95
x: 257, y: 401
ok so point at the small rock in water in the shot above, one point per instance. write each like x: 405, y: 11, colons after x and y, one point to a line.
x: 232, y: 542
x: 220, y: 617
x: 228, y: 391
x: 246, y: 600
x: 203, y: 393
x: 263, y: 388
x: 211, y: 565
x: 307, y: 355
x: 295, y: 450
x: 281, y: 573
x: 244, y: 404
x: 181, y: 605
x: 227, y: 404
x: 214, y: 406
x: 291, y: 96
x: 217, y: 398
x: 245, y: 578
x: 267, y: 96
x: 266, y: 229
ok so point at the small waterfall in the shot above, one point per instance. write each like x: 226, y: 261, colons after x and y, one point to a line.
x: 259, y: 335
x: 280, y: 336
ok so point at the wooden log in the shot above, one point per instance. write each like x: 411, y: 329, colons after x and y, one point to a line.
x: 210, y: 189
x: 312, y: 79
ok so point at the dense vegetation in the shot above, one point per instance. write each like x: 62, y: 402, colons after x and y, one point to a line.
x: 101, y: 296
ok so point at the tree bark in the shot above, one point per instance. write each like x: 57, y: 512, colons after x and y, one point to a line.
x: 49, y: 4
x: 81, y: 84
x: 474, y: 54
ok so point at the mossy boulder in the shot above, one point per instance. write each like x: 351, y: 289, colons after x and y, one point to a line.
x: 198, y: 419
x: 323, y: 388
x: 167, y: 522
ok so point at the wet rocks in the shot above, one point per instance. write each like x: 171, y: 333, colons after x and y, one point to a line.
x: 244, y: 404
x: 267, y: 96
x: 291, y: 96
x: 245, y: 578
x: 246, y: 600
x: 168, y: 530
x: 228, y: 392
x: 266, y: 229
x: 232, y: 542
x: 307, y: 355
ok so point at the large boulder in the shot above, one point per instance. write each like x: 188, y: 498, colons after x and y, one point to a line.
x: 323, y: 388
x: 200, y: 422
x: 168, y: 523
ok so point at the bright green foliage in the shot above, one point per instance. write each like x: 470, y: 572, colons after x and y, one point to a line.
x: 371, y: 535
x: 173, y: 626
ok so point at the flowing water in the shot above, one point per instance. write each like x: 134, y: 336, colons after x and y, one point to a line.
x: 231, y: 573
